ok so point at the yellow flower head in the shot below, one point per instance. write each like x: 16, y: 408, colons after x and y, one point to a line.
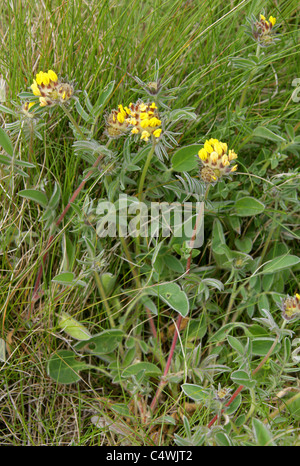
x: 140, y: 118
x: 270, y: 23
x: 145, y: 121
x: 272, y: 20
x: 216, y: 160
x: 50, y: 90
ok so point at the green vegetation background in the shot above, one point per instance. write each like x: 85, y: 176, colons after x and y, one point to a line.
x: 93, y: 43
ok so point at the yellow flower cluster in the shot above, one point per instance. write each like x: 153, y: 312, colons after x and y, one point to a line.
x: 140, y: 118
x: 291, y: 307
x: 269, y: 24
x: 50, y: 90
x: 263, y: 30
x: 216, y: 160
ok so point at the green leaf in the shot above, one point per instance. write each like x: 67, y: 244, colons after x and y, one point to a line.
x: 244, y: 245
x: 262, y: 345
x: 173, y: 263
x: 108, y: 281
x: 196, y: 392
x: 73, y: 328
x: 147, y: 367
x: 223, y: 440
x: 172, y: 295
x: 263, y: 302
x: 265, y: 133
x: 7, y: 110
x: 64, y: 278
x: 234, y: 405
x: 23, y: 163
x: 121, y: 408
x: 149, y: 303
x: 218, y: 237
x: 242, y: 378
x: 6, y: 143
x: 235, y: 223
x: 196, y: 329
x: 221, y: 334
x: 186, y: 158
x: 83, y: 113
x: 27, y: 95
x: 182, y: 114
x: 64, y: 368
x: 286, y: 261
x: 248, y: 206
x: 54, y: 200
x: 132, y: 168
x: 34, y: 195
x: 103, y: 343
x: 262, y: 434
x: 6, y: 160
x: 68, y: 279
x: 235, y: 344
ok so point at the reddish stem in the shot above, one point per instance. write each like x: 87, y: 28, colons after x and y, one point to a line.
x: 179, y: 321
x: 151, y: 322
x: 162, y: 381
x: 59, y: 220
